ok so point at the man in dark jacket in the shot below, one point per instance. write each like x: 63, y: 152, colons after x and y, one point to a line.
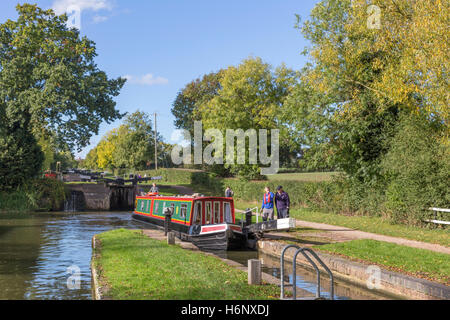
x: 282, y: 203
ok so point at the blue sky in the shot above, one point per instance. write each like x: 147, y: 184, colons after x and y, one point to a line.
x: 162, y: 45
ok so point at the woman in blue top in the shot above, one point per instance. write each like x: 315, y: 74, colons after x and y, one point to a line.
x: 267, y: 205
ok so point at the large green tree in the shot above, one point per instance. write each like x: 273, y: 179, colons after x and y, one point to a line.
x: 251, y: 96
x: 189, y: 99
x: 344, y: 67
x: 130, y: 146
x: 49, y: 83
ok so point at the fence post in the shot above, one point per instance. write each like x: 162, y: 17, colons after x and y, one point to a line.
x: 171, y: 238
x: 254, y: 272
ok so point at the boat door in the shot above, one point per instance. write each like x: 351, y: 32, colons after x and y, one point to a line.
x: 227, y: 212
x: 198, y: 216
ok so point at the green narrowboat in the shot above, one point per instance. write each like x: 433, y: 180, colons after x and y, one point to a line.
x: 209, y: 222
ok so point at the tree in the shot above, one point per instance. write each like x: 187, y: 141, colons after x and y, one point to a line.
x: 91, y: 161
x: 189, y: 99
x: 49, y: 83
x: 309, y: 116
x: 106, y: 150
x: 413, y: 36
x: 20, y: 155
x: 251, y: 96
x: 130, y: 146
x: 135, y: 144
x: 344, y: 67
x: 388, y: 91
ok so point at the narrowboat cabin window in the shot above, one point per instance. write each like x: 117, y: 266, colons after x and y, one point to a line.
x: 155, y: 206
x: 217, y: 212
x: 183, y: 210
x: 208, y: 213
x: 198, y: 213
x: 142, y: 205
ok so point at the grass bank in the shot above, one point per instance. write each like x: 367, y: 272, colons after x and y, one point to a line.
x: 416, y: 262
x: 16, y: 202
x: 367, y: 223
x: 305, y: 177
x: 165, y: 190
x: 134, y: 266
x: 34, y: 195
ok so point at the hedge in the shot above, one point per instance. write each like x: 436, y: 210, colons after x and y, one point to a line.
x: 171, y: 176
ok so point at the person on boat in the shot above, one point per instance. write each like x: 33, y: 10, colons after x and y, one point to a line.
x: 229, y: 193
x: 282, y: 203
x: 267, y: 205
x: 154, y: 189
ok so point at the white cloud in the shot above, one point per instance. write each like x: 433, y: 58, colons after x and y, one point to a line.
x: 98, y: 18
x: 61, y: 6
x: 146, y: 80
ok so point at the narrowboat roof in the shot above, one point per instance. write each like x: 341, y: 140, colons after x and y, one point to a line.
x: 182, y: 197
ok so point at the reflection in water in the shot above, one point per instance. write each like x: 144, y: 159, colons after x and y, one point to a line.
x: 37, y: 251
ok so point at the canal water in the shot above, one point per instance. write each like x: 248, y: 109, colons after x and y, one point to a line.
x: 41, y: 254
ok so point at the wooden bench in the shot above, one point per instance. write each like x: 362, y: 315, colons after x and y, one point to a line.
x: 435, y: 220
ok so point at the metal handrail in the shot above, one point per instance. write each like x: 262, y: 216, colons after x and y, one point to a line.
x: 294, y: 276
x: 282, y: 267
x: 314, y: 265
x: 326, y: 269
x: 302, y: 250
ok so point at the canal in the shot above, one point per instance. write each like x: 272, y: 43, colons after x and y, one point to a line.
x: 39, y: 254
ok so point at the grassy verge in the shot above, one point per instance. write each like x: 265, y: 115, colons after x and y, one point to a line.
x: 165, y: 190
x: 306, y: 177
x: 134, y: 266
x: 17, y: 202
x: 369, y: 224
x: 416, y: 262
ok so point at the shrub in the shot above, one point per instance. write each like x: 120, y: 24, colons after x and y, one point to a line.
x: 36, y: 194
x: 48, y: 194
x: 417, y: 170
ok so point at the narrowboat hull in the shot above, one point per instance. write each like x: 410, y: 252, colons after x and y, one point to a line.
x: 222, y: 237
x: 227, y: 237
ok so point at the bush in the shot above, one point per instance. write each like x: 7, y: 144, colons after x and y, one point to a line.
x: 173, y: 176
x: 37, y: 194
x: 49, y: 194
x: 20, y: 157
x: 417, y: 170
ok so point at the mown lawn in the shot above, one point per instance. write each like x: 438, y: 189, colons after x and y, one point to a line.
x: 417, y: 262
x: 134, y: 266
x: 369, y: 224
x: 305, y: 177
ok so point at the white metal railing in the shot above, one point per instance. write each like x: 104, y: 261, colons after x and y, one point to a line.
x: 435, y: 220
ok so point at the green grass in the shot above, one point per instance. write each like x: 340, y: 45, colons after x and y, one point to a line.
x: 134, y: 266
x: 165, y: 190
x: 365, y: 223
x: 417, y: 262
x: 375, y: 225
x: 306, y: 177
